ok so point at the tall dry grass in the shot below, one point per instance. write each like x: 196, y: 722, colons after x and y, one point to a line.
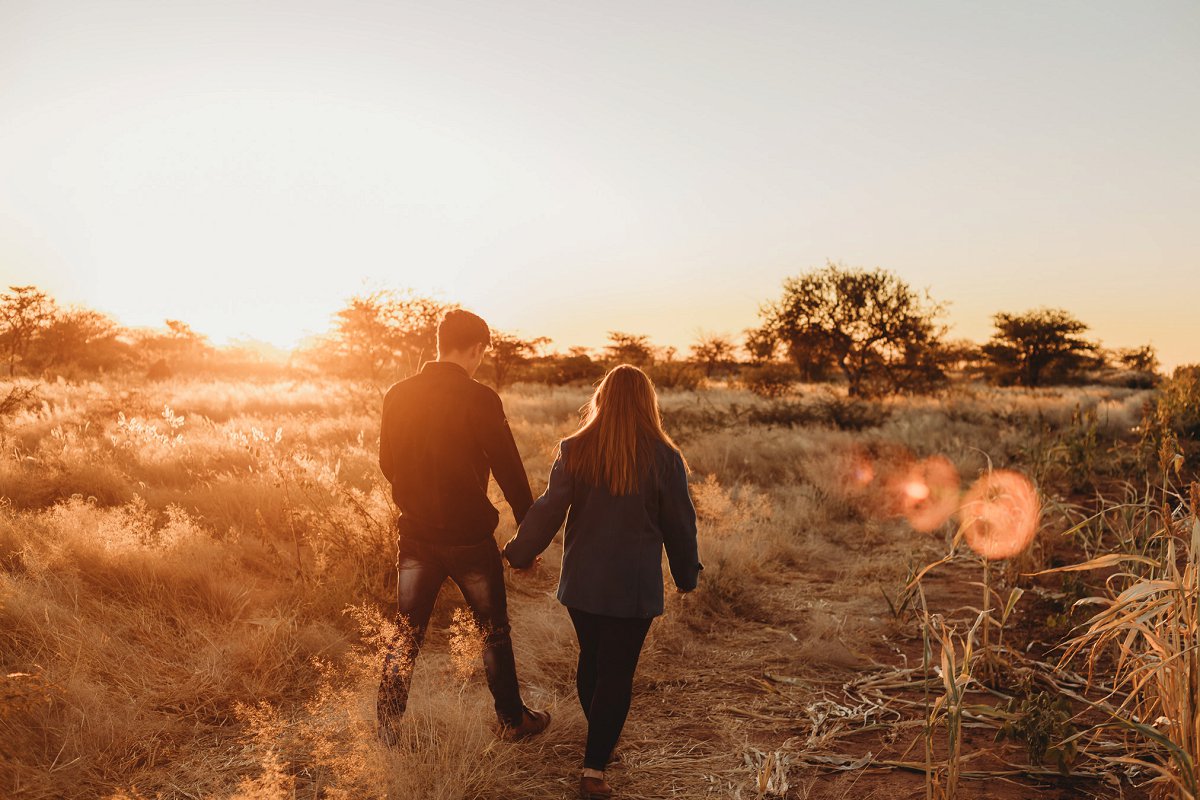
x: 195, y: 578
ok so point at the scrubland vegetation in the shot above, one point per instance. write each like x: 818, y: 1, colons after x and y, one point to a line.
x: 196, y: 576
x: 867, y: 330
x: 196, y: 562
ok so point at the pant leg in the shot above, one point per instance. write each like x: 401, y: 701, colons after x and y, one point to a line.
x: 619, y: 644
x: 419, y: 579
x: 479, y: 573
x: 585, y: 669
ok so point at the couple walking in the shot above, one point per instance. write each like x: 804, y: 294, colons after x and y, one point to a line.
x: 619, y: 482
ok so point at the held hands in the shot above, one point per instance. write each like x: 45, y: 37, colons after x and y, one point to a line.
x: 527, y: 572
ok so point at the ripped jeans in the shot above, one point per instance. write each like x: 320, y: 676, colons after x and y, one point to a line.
x: 422, y: 567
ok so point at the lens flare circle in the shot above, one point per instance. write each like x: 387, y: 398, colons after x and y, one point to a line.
x: 929, y: 493
x: 999, y: 514
x: 916, y: 491
x: 858, y: 470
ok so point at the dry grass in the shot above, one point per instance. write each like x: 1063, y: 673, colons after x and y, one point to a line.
x: 195, y: 578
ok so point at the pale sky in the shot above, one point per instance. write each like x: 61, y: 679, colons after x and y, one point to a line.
x: 568, y: 168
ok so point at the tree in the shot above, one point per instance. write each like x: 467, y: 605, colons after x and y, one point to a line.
x: 172, y: 348
x: 1139, y: 359
x: 713, y: 351
x: 761, y: 344
x: 1038, y: 346
x: 24, y: 311
x: 629, y: 348
x: 384, y: 334
x: 509, y: 352
x: 79, y: 337
x: 667, y: 372
x: 575, y: 367
x: 961, y: 356
x: 869, y: 325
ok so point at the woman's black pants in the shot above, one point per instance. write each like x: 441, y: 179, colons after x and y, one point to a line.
x: 608, y: 654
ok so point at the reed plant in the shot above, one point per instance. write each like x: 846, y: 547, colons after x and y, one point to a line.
x: 1149, y: 623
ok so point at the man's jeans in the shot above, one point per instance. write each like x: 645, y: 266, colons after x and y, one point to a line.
x: 422, y: 568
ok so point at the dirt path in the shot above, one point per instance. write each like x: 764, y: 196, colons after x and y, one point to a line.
x: 763, y: 699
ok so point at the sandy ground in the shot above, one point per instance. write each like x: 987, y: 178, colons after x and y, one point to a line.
x: 732, y: 706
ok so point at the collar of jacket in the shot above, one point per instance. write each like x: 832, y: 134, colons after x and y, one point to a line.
x: 444, y: 367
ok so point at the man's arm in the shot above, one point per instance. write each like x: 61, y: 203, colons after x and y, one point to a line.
x: 504, y: 459
x: 385, y: 446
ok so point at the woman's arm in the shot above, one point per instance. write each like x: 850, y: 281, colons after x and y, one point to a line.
x: 545, y: 517
x: 677, y: 520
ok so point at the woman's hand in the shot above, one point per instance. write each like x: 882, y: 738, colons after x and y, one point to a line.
x: 526, y: 572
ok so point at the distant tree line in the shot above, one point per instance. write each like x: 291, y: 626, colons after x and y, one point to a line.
x: 38, y: 337
x: 865, y: 329
x: 879, y: 336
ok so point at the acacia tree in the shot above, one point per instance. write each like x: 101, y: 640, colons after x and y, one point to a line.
x: 172, y: 348
x: 761, y: 345
x: 575, y: 366
x: 81, y: 337
x: 1044, y: 344
x: 629, y: 348
x: 868, y: 324
x: 24, y: 311
x: 509, y: 352
x: 384, y: 334
x: 1139, y: 359
x: 712, y: 351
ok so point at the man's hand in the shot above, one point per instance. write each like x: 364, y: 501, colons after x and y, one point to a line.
x: 531, y: 570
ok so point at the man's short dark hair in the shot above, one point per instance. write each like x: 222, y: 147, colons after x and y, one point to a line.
x: 461, y: 330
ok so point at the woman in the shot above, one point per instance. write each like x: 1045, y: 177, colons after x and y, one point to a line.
x: 621, y: 484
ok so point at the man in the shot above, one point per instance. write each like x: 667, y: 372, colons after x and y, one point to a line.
x: 442, y: 433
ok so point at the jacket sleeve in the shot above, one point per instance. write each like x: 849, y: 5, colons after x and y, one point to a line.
x: 677, y: 520
x: 385, y: 445
x: 504, y: 459
x: 543, y: 520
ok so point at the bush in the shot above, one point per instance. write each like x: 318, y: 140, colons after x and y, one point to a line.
x: 786, y: 414
x: 770, y: 379
x: 1172, y: 421
x: 560, y: 370
x: 853, y: 414
x: 16, y: 399
x: 676, y: 375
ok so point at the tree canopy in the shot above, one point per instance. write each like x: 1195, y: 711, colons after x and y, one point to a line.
x: 869, y: 325
x: 1038, y: 346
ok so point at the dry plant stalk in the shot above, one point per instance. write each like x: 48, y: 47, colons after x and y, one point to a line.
x: 942, y: 780
x: 1152, y: 619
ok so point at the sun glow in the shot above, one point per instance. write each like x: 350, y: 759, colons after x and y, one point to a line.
x: 245, y: 169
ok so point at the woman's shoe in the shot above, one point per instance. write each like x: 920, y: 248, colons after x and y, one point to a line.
x: 594, y: 788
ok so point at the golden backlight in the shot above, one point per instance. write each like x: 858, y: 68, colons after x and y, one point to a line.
x: 560, y: 170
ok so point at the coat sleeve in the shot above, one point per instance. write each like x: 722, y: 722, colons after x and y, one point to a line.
x: 677, y: 520
x: 385, y: 446
x: 544, y: 519
x: 504, y: 459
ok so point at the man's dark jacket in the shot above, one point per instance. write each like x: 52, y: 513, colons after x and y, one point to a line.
x: 441, y: 435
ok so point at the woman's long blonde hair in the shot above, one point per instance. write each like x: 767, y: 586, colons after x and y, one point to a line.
x: 621, y: 424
